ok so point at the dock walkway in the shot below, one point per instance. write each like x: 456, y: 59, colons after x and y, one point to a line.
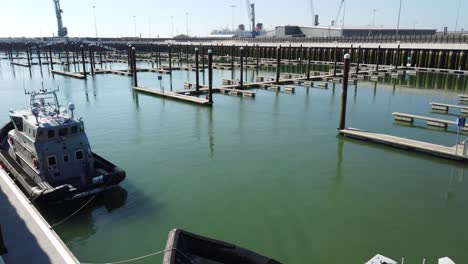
x: 445, y: 107
x: 463, y: 98
x: 27, y: 236
x: 436, y: 122
x: 408, y: 144
x: 173, y: 95
x: 69, y: 74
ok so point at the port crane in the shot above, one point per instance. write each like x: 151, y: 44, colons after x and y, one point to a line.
x: 251, y: 14
x: 312, y: 11
x: 334, y: 22
x: 62, y: 31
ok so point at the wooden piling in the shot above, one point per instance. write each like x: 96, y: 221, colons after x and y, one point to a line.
x: 135, y: 79
x: 170, y: 59
x: 203, y: 59
x: 334, y: 61
x: 66, y: 54
x: 241, y: 83
x: 232, y: 59
x: 74, y: 56
x: 358, y: 59
x: 100, y: 56
x: 397, y: 57
x: 210, y: 77
x: 308, y: 62
x: 344, y: 93
x: 257, y: 54
x: 27, y: 56
x: 83, y: 60
x: 51, y: 61
x: 278, y: 63
x: 91, y: 59
x: 197, y: 77
x: 39, y: 54
x: 377, y: 61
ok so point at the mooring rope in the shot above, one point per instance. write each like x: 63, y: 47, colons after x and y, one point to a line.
x: 81, y: 208
x: 74, y: 213
x: 141, y: 257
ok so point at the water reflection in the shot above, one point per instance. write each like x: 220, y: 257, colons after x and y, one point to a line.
x: 111, y: 200
x: 211, y: 132
x: 429, y: 80
x: 86, y: 90
x: 339, y: 161
x: 456, y: 177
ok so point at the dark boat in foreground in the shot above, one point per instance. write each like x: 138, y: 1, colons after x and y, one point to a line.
x: 46, y: 150
x: 187, y: 248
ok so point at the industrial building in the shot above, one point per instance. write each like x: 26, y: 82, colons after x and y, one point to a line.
x: 323, y: 31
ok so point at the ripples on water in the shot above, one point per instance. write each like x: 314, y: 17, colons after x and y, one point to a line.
x: 269, y: 173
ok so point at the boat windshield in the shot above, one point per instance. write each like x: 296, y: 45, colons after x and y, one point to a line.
x: 46, y: 102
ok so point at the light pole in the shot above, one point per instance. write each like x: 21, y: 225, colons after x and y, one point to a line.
x: 233, y: 15
x: 186, y: 22
x: 372, y: 21
x: 172, y: 26
x: 95, y: 24
x: 149, y: 27
x: 399, y: 15
x: 373, y: 17
x: 134, y: 25
x: 458, y: 15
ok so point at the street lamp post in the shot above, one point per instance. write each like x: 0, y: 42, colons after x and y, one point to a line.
x: 399, y: 15
x: 186, y: 22
x: 134, y: 25
x: 458, y: 15
x: 95, y: 23
x: 172, y: 26
x: 233, y: 15
x: 372, y: 21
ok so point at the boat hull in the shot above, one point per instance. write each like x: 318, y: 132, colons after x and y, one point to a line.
x: 184, y: 248
x: 37, y: 191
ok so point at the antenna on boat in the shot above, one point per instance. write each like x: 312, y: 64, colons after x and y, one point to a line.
x: 35, y: 111
x: 71, y: 106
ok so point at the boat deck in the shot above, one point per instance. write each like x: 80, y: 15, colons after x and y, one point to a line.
x: 26, y: 234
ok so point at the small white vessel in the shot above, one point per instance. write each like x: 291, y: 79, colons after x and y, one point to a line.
x: 379, y: 259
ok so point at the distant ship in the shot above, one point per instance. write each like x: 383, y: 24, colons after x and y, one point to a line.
x: 47, y: 152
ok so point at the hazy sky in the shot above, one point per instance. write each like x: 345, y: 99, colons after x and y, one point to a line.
x: 116, y: 17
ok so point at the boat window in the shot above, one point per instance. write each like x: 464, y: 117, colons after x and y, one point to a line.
x: 18, y: 123
x: 52, y: 161
x: 65, y: 158
x: 34, y: 133
x: 74, y: 130
x: 82, y: 127
x: 63, y: 132
x: 79, y: 155
x: 39, y: 133
x: 51, y: 133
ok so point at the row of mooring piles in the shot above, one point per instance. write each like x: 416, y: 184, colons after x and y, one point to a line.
x: 132, y: 59
x: 423, y: 57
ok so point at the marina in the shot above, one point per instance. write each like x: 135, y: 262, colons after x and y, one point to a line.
x: 216, y: 140
x: 132, y: 135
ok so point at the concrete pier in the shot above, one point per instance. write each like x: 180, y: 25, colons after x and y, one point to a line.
x: 26, y: 234
x: 434, y: 122
x: 445, y: 107
x: 69, y: 74
x: 173, y: 95
x: 408, y: 144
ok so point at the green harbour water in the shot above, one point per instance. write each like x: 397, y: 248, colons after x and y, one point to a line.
x: 269, y: 173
